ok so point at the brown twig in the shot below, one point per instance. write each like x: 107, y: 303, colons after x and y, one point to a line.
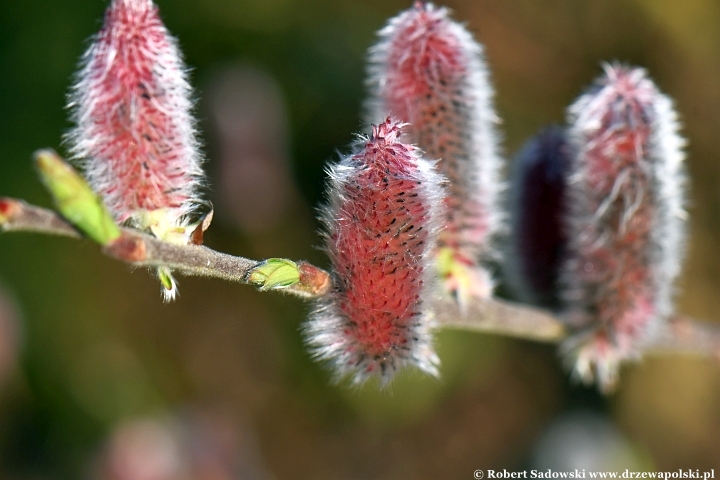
x: 19, y: 216
x: 139, y: 249
x: 505, y: 318
x: 680, y: 335
x: 687, y: 336
x: 143, y: 250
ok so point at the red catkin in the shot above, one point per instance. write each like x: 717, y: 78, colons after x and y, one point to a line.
x: 380, y: 229
x: 428, y: 71
x: 625, y: 203
x: 135, y: 134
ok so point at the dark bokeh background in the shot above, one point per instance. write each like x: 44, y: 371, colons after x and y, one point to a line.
x: 100, y: 380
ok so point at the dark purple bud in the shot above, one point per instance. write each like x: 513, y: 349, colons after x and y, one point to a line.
x: 538, y: 238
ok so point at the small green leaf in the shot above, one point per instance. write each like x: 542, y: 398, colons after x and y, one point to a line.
x: 445, y: 262
x: 74, y: 198
x: 165, y: 278
x: 463, y: 280
x: 274, y: 273
x: 169, y: 291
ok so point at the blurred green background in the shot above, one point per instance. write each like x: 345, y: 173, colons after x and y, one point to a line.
x: 100, y: 380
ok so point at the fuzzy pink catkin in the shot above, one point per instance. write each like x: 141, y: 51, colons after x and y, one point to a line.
x: 135, y: 134
x: 428, y: 71
x: 380, y: 229
x: 626, y: 219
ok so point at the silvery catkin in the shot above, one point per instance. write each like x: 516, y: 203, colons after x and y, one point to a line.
x: 626, y: 220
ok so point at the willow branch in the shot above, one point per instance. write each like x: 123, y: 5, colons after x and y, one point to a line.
x: 142, y: 250
x: 686, y: 336
x: 680, y: 335
x: 19, y: 216
x: 501, y: 317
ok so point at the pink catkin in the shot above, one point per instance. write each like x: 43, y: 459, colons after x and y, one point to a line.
x: 428, y: 71
x: 626, y: 219
x: 131, y: 104
x: 380, y: 228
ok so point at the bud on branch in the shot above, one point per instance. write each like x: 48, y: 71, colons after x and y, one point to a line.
x: 539, y: 237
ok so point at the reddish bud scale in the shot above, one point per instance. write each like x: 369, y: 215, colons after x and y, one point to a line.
x: 7, y: 208
x: 135, y: 133
x: 380, y: 229
x: 626, y: 199
x: 428, y: 71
